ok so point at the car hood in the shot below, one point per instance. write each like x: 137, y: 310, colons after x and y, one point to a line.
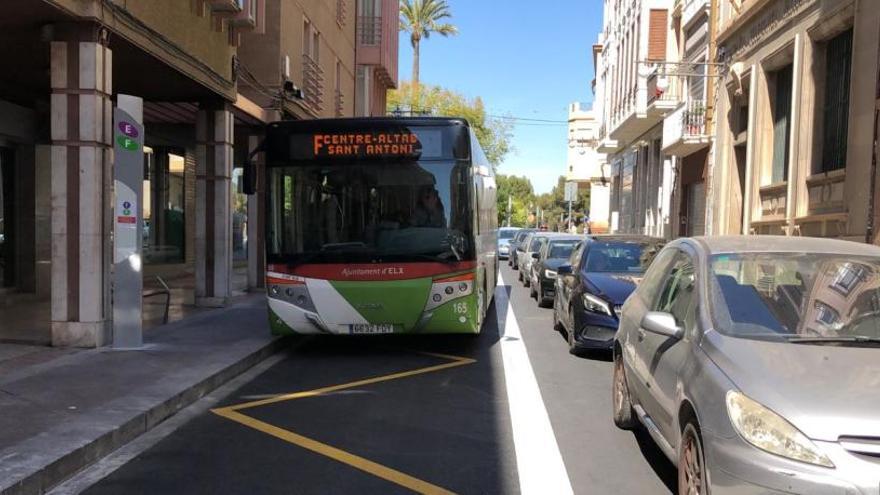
x: 615, y: 287
x: 554, y: 263
x: 826, y: 391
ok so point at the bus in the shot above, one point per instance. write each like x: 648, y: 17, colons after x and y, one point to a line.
x: 378, y: 226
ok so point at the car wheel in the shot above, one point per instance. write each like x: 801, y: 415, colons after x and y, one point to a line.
x: 620, y: 399
x: 543, y: 302
x: 533, y: 293
x: 519, y: 275
x: 526, y: 281
x: 691, y: 463
x: 569, y: 334
x: 557, y: 325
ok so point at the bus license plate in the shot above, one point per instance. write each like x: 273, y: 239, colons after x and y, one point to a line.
x: 366, y: 328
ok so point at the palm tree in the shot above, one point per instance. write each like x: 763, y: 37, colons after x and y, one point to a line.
x: 420, y: 18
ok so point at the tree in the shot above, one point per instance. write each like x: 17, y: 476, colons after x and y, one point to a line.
x: 494, y: 135
x: 555, y: 207
x: 520, y: 190
x: 420, y: 18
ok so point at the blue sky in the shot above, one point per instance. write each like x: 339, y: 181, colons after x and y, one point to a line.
x: 524, y: 58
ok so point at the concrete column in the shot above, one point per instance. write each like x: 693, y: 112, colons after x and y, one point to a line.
x: 794, y: 165
x: 81, y: 118
x: 256, y: 222
x: 214, y: 140
x: 751, y: 159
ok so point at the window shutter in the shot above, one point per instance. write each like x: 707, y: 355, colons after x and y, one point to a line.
x: 657, y: 34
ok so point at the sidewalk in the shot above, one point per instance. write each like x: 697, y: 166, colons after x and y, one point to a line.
x: 60, y: 415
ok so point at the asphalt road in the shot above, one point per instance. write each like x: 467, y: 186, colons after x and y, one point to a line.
x: 397, y: 415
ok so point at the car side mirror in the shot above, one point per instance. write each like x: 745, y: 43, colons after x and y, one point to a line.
x: 536, y: 255
x: 564, y: 270
x: 662, y: 324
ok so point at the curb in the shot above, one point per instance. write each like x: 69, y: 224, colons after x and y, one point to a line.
x: 62, y: 468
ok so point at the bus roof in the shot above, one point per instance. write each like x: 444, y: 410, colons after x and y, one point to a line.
x: 314, y: 125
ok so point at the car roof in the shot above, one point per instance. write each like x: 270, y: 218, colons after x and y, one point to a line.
x: 623, y: 238
x: 782, y: 244
x: 566, y: 237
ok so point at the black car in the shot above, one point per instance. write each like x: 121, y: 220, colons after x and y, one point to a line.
x: 556, y: 252
x: 515, y: 244
x: 591, y: 288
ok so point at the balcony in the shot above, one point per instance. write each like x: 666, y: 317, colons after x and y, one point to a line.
x: 246, y: 19
x: 684, y: 130
x: 313, y: 85
x: 369, y: 30
x: 629, y: 118
x: 663, y: 96
x: 606, y: 144
x: 227, y: 7
x: 692, y: 9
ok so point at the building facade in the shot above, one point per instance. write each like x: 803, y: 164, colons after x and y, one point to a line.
x: 636, y: 100
x: 377, y: 47
x: 795, y: 122
x: 211, y: 74
x: 586, y: 165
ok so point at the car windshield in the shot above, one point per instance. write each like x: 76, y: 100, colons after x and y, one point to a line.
x: 620, y: 256
x: 535, y: 244
x: 350, y: 212
x: 561, y: 249
x: 796, y: 296
x: 506, y: 234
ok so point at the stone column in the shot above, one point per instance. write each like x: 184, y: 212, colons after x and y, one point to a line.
x: 214, y: 140
x: 256, y: 222
x: 81, y: 121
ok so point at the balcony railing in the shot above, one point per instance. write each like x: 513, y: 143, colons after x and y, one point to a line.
x: 313, y: 84
x: 693, y: 119
x: 661, y: 88
x: 369, y: 30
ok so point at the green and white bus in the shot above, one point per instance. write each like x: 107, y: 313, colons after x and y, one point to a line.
x: 378, y: 225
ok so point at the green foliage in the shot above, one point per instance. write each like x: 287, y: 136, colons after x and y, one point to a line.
x: 420, y: 18
x: 555, y: 207
x: 494, y: 134
x: 522, y: 194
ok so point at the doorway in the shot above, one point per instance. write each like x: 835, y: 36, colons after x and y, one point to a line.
x: 7, y: 218
x: 739, y: 203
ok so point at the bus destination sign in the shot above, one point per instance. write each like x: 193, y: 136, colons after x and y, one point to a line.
x: 366, y: 144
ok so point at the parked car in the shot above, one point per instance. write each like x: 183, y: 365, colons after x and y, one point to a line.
x: 505, y: 235
x: 516, y: 246
x: 592, y: 287
x: 532, y: 244
x: 555, y: 252
x: 753, y: 362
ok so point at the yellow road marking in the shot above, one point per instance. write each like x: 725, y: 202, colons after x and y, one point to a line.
x: 358, y: 462
x: 366, y: 465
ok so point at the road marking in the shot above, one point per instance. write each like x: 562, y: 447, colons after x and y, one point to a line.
x: 358, y: 462
x: 538, y: 460
x: 366, y: 465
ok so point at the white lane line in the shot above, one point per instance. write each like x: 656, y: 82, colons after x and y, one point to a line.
x: 538, y: 460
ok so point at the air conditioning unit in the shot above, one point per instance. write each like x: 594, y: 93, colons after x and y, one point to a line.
x: 247, y: 18
x: 227, y: 6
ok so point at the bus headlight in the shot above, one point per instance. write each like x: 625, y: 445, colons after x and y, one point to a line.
x: 550, y: 274
x: 446, y: 289
x: 770, y: 432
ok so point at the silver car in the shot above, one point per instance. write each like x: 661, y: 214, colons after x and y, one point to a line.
x: 532, y: 244
x: 754, y: 363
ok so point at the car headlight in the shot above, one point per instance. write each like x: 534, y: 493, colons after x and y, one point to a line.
x: 769, y: 431
x: 596, y: 305
x: 549, y: 274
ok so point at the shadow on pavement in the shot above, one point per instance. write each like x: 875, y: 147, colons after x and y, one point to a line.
x: 658, y: 461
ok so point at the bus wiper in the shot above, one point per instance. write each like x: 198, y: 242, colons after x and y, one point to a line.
x: 858, y: 339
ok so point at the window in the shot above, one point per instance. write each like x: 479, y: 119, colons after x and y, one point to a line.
x: 835, y: 118
x: 848, y: 277
x: 307, y: 38
x: 655, y: 274
x: 677, y: 291
x: 781, y: 123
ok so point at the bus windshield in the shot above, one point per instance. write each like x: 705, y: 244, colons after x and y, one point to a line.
x: 369, y: 211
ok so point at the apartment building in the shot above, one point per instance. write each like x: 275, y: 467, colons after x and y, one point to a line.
x: 377, y: 47
x: 585, y: 164
x: 211, y: 74
x: 636, y: 100
x: 796, y: 119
